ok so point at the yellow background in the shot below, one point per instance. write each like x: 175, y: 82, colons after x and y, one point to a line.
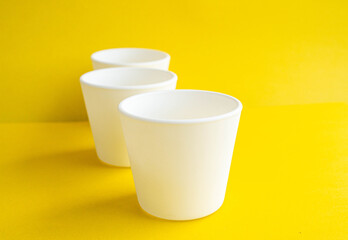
x: 262, y: 52
x: 287, y: 61
x: 288, y: 180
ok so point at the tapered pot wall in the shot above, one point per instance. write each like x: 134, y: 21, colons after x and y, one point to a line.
x: 180, y: 168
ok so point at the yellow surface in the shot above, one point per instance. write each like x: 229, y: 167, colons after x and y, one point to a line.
x: 288, y: 180
x: 289, y: 175
x: 265, y: 53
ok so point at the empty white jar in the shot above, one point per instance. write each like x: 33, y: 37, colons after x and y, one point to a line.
x: 180, y: 145
x: 130, y: 57
x: 103, y: 90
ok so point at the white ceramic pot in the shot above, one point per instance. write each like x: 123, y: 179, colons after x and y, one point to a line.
x: 103, y: 90
x: 180, y: 145
x: 130, y: 57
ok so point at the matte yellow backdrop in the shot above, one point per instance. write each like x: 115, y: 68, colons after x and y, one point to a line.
x: 262, y: 52
x: 287, y: 61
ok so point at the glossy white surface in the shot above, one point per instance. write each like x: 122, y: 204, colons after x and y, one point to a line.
x: 103, y: 90
x: 180, y: 145
x: 130, y: 57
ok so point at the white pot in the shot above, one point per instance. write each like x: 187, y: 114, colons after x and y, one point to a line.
x: 103, y: 90
x: 180, y: 145
x: 130, y: 57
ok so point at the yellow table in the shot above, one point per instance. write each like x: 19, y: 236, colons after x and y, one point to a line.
x: 288, y: 180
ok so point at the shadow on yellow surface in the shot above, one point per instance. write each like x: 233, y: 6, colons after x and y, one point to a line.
x: 288, y: 180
